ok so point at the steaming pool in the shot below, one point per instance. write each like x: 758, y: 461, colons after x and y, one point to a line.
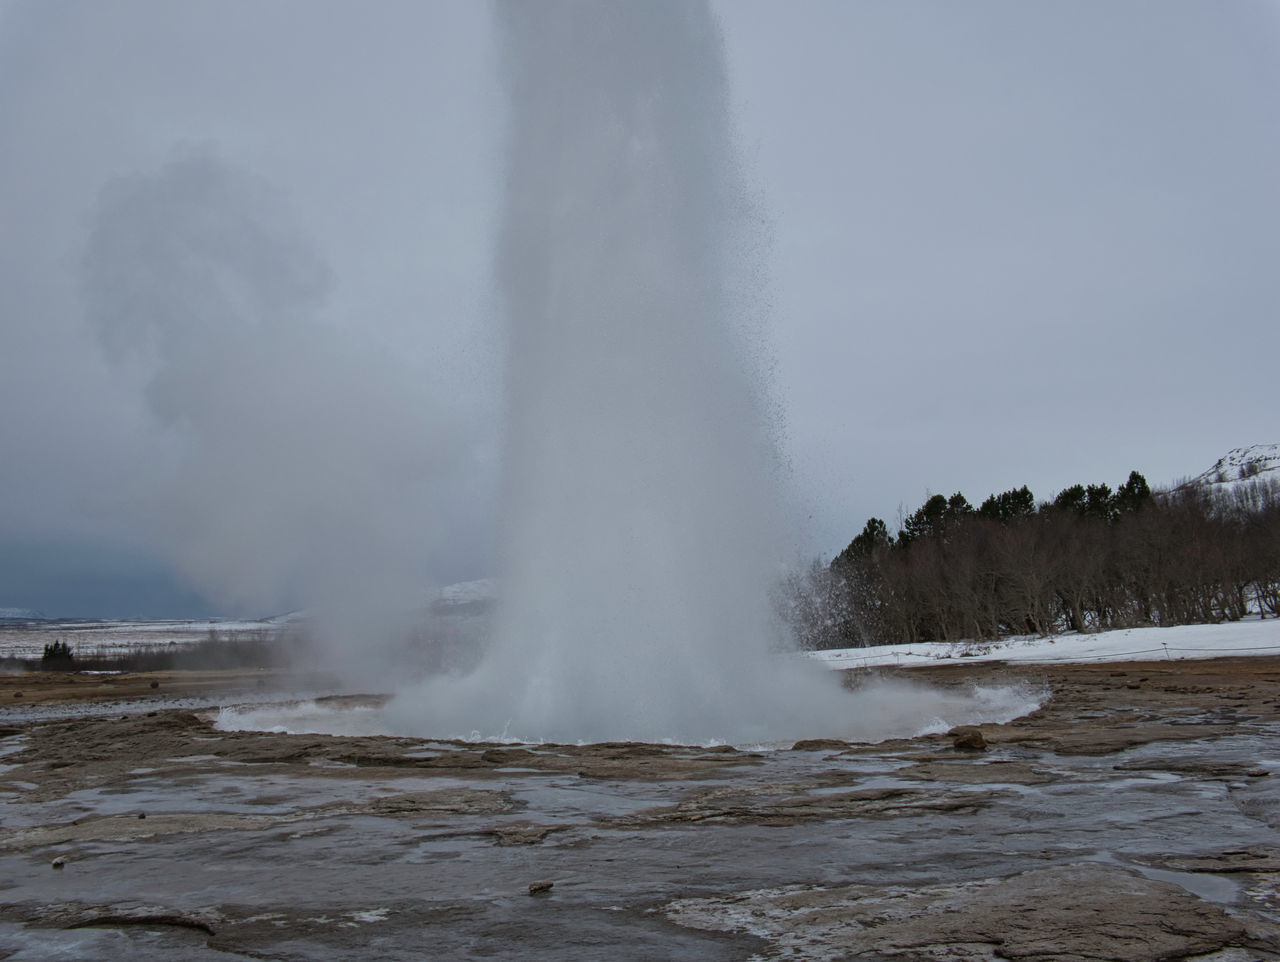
x: 878, y: 710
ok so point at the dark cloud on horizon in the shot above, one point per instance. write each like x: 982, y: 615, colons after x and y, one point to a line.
x: 82, y: 579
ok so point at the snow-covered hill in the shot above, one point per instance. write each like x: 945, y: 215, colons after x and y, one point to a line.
x: 1257, y: 462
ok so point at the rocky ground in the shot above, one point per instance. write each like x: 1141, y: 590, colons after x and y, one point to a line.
x: 1134, y: 817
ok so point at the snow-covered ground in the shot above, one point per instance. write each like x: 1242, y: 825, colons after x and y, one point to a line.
x: 118, y: 637
x: 1242, y: 638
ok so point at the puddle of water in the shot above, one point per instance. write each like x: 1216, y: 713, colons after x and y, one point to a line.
x: 1031, y: 791
x: 867, y: 784
x: 218, y: 795
x: 155, y: 797
x: 1206, y: 885
x: 566, y: 800
x: 1211, y: 888
x: 301, y: 718
x: 249, y: 795
x: 20, y: 944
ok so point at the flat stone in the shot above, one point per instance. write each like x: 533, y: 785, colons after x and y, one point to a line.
x: 1073, y: 912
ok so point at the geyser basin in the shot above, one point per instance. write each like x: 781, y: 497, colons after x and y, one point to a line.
x: 880, y: 709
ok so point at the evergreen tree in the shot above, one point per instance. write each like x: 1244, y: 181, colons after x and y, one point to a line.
x: 1009, y: 505
x: 875, y: 535
x: 1098, y: 502
x: 1133, y: 495
x: 1094, y: 501
x: 935, y: 518
x: 958, y: 506
x: 1071, y: 499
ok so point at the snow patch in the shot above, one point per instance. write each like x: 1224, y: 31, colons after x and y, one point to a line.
x: 1249, y: 637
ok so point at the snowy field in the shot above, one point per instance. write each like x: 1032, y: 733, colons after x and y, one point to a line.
x: 1246, y: 638
x: 119, y: 637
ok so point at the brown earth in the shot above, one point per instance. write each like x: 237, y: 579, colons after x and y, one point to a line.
x: 1102, y: 708
x: 59, y: 687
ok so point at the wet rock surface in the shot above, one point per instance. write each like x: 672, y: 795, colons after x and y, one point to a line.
x: 1114, y: 823
x: 1072, y: 912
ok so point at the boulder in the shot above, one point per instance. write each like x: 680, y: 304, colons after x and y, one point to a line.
x: 968, y: 738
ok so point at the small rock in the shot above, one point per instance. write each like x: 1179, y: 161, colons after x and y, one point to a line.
x: 17, y: 694
x: 819, y: 745
x: 58, y: 862
x: 155, y: 684
x: 1258, y: 773
x: 540, y: 888
x: 968, y: 738
x: 142, y: 815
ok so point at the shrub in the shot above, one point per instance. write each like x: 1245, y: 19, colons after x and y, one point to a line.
x: 57, y: 657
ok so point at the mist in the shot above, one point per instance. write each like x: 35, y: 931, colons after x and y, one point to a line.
x: 309, y: 466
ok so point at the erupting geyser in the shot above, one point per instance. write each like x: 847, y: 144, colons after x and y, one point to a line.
x: 640, y: 513
x: 641, y: 531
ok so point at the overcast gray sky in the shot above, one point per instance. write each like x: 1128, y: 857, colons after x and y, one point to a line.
x: 1006, y: 244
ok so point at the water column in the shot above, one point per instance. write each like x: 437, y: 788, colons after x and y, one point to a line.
x: 641, y: 536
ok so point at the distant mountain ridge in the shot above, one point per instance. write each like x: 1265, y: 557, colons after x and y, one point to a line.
x: 21, y: 614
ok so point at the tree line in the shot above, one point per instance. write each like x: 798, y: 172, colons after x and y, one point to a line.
x: 1091, y: 559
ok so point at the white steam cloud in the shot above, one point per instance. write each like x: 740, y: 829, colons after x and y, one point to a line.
x: 312, y: 466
